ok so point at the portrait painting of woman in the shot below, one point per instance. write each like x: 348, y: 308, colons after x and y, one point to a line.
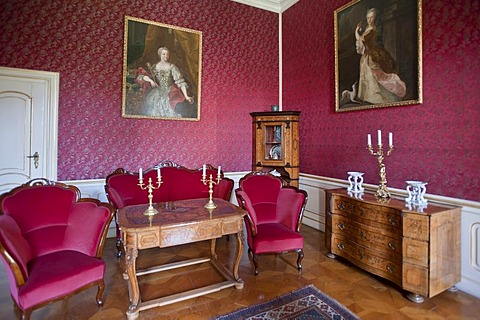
x: 162, y: 75
x: 378, y: 60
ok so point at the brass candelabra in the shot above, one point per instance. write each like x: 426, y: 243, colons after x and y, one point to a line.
x: 151, y: 211
x: 210, y: 204
x: 382, y: 192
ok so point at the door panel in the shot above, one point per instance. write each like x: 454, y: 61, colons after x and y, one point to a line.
x: 28, y: 126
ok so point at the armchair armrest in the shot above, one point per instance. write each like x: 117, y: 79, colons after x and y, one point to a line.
x: 290, y: 206
x: 245, y: 203
x: 88, y: 225
x: 14, y: 250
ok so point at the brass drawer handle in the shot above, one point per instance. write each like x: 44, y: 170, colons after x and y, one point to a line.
x: 341, y: 206
x: 392, y: 246
x: 362, y: 234
x: 392, y: 221
x: 340, y: 246
x: 391, y: 269
x: 341, y: 226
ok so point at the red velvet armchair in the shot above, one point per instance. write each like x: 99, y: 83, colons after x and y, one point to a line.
x: 179, y: 183
x: 274, y: 215
x: 51, y: 243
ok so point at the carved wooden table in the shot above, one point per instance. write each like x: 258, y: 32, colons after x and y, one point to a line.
x: 177, y: 223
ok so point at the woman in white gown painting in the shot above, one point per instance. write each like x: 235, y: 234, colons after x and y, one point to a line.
x: 378, y: 81
x: 163, y: 86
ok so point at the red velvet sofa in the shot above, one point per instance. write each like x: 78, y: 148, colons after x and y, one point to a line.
x: 179, y: 183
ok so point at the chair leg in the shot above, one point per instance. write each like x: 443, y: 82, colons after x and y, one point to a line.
x: 119, y: 237
x: 101, y: 288
x: 255, y: 262
x: 299, y: 260
x: 26, y: 314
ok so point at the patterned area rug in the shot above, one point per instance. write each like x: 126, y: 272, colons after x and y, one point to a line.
x: 305, y: 303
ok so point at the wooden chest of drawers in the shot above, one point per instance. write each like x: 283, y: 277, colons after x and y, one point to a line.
x: 417, y: 250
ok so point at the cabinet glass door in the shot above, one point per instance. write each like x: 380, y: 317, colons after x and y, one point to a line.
x: 273, y: 142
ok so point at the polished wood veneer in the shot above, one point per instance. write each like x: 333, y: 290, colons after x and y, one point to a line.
x: 368, y: 296
x: 418, y: 249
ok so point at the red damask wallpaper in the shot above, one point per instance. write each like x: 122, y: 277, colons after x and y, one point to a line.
x: 83, y: 40
x: 437, y: 141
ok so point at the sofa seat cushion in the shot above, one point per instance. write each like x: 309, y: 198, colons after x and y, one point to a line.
x: 275, y: 237
x: 58, y: 274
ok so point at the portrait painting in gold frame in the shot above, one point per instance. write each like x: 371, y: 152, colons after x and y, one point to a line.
x: 378, y: 54
x: 161, y: 71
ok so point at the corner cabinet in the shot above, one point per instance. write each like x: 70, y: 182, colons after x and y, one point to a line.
x: 276, y: 144
x: 418, y: 250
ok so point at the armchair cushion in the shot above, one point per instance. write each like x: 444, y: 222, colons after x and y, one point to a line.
x: 275, y: 237
x: 53, y: 274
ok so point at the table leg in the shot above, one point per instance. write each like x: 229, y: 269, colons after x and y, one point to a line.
x: 240, y: 240
x: 131, y: 255
x: 213, y: 243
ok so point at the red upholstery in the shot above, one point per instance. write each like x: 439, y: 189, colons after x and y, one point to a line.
x: 274, y: 215
x: 51, y: 242
x: 179, y: 183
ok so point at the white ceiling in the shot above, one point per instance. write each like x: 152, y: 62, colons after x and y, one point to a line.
x: 277, y: 6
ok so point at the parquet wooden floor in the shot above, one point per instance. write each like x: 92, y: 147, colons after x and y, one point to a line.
x: 367, y: 296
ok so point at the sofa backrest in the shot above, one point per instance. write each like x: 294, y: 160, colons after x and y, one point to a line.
x: 178, y: 183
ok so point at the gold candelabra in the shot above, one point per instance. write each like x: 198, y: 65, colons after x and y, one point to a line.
x: 210, y: 204
x: 151, y: 211
x: 382, y: 192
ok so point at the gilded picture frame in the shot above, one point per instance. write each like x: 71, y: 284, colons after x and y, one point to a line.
x: 161, y: 71
x: 378, y: 54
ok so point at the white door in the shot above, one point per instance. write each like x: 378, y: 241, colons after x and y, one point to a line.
x: 28, y: 126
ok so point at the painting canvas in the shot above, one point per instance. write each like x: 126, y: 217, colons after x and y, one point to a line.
x: 377, y: 54
x: 161, y: 71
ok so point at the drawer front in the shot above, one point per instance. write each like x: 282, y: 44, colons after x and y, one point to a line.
x: 230, y: 226
x: 381, y: 264
x: 415, y: 279
x: 415, y: 252
x: 189, y: 233
x: 368, y: 236
x: 416, y: 226
x: 374, y: 215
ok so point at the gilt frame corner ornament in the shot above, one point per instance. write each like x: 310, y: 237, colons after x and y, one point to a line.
x: 162, y: 67
x: 378, y: 54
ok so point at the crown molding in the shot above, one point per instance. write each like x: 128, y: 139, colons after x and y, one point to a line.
x: 277, y: 6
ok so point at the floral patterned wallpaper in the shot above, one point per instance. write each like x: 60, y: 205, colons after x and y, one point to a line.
x: 83, y: 40
x: 437, y: 141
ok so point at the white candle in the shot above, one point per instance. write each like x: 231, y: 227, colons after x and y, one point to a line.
x: 140, y: 174
x: 219, y: 169
x: 204, y: 172
x: 390, y: 139
x: 159, y: 174
x: 369, y: 139
x: 379, y: 137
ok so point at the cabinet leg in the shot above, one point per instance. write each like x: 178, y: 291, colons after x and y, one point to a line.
x: 331, y: 255
x: 415, y: 298
x: 453, y: 289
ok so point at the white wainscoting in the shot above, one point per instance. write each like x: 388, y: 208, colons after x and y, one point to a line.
x: 315, y: 217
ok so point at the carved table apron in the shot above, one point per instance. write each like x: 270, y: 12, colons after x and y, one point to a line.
x: 177, y: 223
